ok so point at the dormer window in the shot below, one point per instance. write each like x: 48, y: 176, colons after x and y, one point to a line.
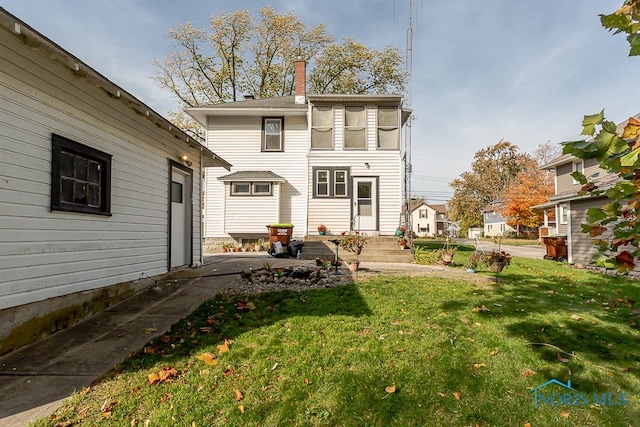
x: 272, y: 134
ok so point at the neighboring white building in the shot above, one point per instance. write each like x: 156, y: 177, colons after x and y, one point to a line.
x: 429, y: 220
x: 94, y: 188
x: 305, y: 160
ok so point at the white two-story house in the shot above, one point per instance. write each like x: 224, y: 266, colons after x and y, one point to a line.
x: 305, y: 160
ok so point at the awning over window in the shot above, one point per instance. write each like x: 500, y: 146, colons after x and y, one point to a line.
x: 250, y: 176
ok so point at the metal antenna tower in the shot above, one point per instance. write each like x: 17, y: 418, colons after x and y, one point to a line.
x: 407, y: 129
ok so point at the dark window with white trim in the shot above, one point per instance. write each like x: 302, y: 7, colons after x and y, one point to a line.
x: 331, y: 181
x: 80, y: 177
x: 272, y: 134
x: 251, y: 188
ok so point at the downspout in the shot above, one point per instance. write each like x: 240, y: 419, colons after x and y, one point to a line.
x: 200, y: 187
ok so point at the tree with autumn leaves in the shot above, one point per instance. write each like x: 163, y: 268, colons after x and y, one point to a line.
x: 243, y: 53
x: 531, y: 186
x: 501, y: 173
x: 615, y: 227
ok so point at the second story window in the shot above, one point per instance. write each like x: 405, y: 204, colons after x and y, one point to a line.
x: 388, y: 128
x: 422, y: 213
x: 578, y: 167
x: 272, y: 134
x: 321, y: 127
x: 355, y: 130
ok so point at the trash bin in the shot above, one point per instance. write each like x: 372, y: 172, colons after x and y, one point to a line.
x: 295, y: 246
x: 556, y: 247
x: 280, y: 233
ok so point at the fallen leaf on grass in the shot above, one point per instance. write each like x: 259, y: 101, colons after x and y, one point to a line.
x: 165, y: 375
x: 562, y: 359
x: 208, y: 358
x: 527, y: 373
x: 63, y: 424
x: 564, y: 414
x: 228, y: 371
x: 479, y: 365
x: 251, y: 306
x: 241, y: 408
x: 238, y: 395
x: 527, y: 424
x: 225, y: 346
x: 494, y: 352
x: 456, y: 395
x: 442, y: 394
x: 576, y: 317
x: 481, y: 308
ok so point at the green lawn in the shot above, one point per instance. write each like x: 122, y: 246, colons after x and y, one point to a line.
x: 391, y: 351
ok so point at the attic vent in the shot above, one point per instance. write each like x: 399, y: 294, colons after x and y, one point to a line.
x: 249, y: 97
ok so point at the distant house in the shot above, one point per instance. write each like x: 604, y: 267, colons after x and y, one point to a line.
x: 495, y: 223
x: 96, y: 192
x: 304, y: 159
x: 569, y: 208
x: 429, y: 220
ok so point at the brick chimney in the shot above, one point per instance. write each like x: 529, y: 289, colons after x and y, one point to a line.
x: 300, y: 81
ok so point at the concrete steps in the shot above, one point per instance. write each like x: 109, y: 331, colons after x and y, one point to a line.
x: 379, y: 249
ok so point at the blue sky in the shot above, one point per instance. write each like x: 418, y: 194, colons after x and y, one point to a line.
x: 483, y: 70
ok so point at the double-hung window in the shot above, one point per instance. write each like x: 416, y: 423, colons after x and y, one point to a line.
x: 388, y: 128
x: 272, y: 134
x: 321, y: 127
x: 80, y: 178
x: 422, y: 213
x: 330, y: 181
x: 355, y: 130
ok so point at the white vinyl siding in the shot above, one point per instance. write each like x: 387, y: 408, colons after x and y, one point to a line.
x: 46, y: 254
x: 244, y: 153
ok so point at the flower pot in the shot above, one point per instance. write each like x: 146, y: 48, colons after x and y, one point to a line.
x: 353, y: 267
x: 496, y: 267
x: 322, y: 233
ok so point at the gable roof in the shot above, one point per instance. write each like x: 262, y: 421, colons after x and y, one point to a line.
x: 38, y: 42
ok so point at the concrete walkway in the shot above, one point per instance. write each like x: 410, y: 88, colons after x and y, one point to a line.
x: 34, y: 380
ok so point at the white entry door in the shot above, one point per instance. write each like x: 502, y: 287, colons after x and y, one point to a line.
x: 180, y: 219
x: 365, y: 204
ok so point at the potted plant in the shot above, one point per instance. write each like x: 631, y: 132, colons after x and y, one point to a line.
x: 400, y: 231
x: 403, y: 243
x: 447, y: 254
x: 497, y: 260
x: 322, y: 229
x: 353, y: 265
x: 258, y: 245
x: 353, y: 242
